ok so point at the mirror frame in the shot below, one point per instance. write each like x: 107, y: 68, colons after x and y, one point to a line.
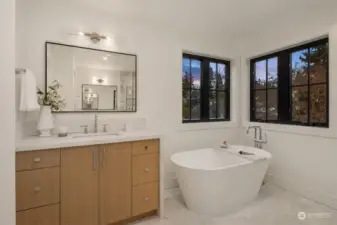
x: 94, y: 49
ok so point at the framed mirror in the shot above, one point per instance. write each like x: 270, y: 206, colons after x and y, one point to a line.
x: 92, y: 80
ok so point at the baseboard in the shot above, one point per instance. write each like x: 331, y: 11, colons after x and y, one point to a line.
x: 309, y: 193
x: 171, y: 193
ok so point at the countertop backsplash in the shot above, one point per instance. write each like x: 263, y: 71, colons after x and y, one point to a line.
x: 28, y: 123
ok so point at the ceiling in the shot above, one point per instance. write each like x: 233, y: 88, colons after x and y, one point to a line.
x: 231, y: 16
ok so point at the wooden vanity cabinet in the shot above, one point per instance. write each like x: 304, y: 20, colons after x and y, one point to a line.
x: 38, y: 187
x: 91, y: 185
x: 96, y: 184
x: 145, y: 176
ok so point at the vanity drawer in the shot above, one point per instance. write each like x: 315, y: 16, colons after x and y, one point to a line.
x: 47, y: 215
x: 145, y: 198
x: 145, y: 168
x: 37, y: 159
x: 37, y: 188
x: 145, y: 147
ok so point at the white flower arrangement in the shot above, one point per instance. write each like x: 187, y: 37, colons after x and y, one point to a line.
x: 52, y: 98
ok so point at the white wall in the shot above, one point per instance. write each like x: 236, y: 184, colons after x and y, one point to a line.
x: 159, y: 51
x: 7, y: 118
x: 304, y: 158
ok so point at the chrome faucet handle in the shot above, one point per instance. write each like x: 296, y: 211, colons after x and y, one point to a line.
x: 105, y: 127
x: 85, y: 128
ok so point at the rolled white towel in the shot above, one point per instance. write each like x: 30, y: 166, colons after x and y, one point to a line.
x: 28, y: 96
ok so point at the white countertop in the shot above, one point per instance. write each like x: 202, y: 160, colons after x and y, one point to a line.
x: 40, y: 143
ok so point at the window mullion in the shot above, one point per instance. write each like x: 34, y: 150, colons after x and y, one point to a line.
x: 284, y: 87
x: 309, y: 96
x: 267, y: 90
x: 216, y: 91
x: 190, y: 89
x: 228, y: 92
x: 252, y: 93
x: 204, y: 101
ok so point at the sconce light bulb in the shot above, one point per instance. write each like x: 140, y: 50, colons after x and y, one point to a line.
x: 81, y: 33
x: 108, y: 38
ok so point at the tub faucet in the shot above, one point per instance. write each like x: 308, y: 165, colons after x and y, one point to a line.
x: 96, y: 124
x: 257, y: 136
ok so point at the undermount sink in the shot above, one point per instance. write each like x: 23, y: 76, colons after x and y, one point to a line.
x: 93, y: 135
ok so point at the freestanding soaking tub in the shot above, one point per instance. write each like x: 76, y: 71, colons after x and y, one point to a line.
x: 217, y: 181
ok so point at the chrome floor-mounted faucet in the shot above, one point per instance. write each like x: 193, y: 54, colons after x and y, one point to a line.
x: 257, y: 136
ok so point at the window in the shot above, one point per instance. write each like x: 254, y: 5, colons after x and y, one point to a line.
x: 206, y: 89
x: 291, y: 86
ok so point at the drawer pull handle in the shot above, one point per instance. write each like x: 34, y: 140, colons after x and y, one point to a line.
x: 146, y: 147
x: 146, y: 199
x: 37, y: 189
x: 37, y: 160
x: 146, y: 170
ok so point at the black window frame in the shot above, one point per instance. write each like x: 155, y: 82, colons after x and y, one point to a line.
x: 205, y: 89
x: 284, y: 86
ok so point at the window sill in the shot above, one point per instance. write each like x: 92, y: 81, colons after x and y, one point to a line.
x: 295, y: 129
x: 317, y: 125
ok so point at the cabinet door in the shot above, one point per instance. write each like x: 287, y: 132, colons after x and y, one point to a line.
x: 79, y: 186
x: 115, y: 183
x: 46, y: 215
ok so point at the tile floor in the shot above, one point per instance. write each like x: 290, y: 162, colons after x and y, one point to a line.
x: 273, y: 206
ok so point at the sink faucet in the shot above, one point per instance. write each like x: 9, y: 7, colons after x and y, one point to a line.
x: 96, y: 124
x: 257, y: 132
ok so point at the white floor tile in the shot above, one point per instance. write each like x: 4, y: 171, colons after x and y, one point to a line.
x: 273, y: 206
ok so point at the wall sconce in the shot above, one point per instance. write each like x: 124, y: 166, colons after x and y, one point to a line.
x: 94, y: 36
x: 100, y: 81
x: 96, y: 80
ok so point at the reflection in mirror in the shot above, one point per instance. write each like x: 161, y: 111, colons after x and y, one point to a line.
x: 99, y: 97
x: 92, y: 80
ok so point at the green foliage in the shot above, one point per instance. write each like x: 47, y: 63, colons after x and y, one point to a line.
x: 317, y: 60
x: 52, y: 98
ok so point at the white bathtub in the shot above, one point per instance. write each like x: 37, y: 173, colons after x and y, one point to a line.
x: 214, y: 182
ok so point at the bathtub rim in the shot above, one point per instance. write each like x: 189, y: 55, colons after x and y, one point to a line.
x: 247, y: 160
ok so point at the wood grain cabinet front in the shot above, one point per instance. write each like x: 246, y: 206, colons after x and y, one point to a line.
x: 145, y: 168
x: 47, y: 215
x: 79, y: 186
x: 37, y: 188
x: 37, y: 159
x: 90, y: 185
x: 145, y: 198
x: 115, y: 183
x: 145, y: 147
